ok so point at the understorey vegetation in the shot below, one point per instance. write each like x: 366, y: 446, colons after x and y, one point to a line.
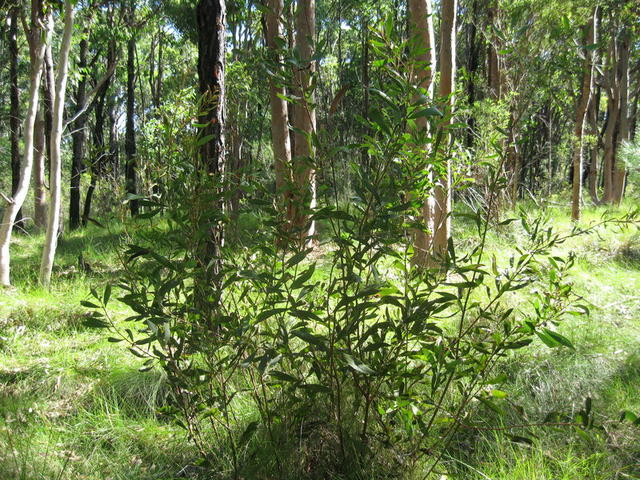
x: 317, y: 239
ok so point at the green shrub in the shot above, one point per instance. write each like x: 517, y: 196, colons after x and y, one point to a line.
x: 353, y: 363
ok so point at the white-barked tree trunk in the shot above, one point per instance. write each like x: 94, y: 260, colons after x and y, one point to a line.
x: 53, y: 223
x: 37, y: 46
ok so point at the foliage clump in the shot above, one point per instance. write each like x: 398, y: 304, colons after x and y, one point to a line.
x: 351, y: 361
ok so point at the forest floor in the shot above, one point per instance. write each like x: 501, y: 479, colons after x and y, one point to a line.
x: 74, y: 406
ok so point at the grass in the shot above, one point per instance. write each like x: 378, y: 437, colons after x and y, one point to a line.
x: 605, y: 367
x: 74, y: 406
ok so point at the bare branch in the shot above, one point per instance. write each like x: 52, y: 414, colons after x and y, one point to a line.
x: 92, y: 95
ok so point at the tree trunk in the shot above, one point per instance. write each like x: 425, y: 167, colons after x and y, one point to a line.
x: 473, y: 56
x: 235, y: 167
x: 633, y: 114
x: 290, y: 28
x: 618, y: 128
x: 160, y: 76
x: 581, y: 112
x: 279, y: 114
x: 97, y: 167
x: 422, y: 33
x: 624, y: 134
x: 211, y: 66
x: 611, y: 132
x: 366, y: 84
x: 211, y: 23
x: 513, y: 160
x: 152, y: 68
x: 98, y: 162
x: 130, y: 134
x: 594, y: 162
x: 442, y: 213
x: 156, y: 79
x: 36, y: 50
x: 114, y: 148
x: 47, y: 103
x: 493, y: 61
x: 39, y: 190
x: 78, y: 136
x: 53, y: 224
x: 14, y: 112
x: 304, y: 119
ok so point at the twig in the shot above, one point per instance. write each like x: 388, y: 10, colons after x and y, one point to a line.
x: 92, y: 95
x: 521, y: 425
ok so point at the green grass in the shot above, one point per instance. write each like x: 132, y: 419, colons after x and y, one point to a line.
x: 605, y: 367
x: 74, y: 406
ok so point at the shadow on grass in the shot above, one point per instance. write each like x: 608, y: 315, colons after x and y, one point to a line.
x: 133, y: 393
x: 51, y: 318
x: 610, y: 447
x: 622, y: 391
x: 628, y: 255
x: 87, y: 253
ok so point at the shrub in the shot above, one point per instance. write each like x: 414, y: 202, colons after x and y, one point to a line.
x: 356, y: 360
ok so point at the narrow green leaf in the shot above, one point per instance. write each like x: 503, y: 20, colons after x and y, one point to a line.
x: 107, y: 294
x: 269, y: 313
x: 303, y: 277
x: 560, y: 339
x: 358, y: 367
x: 247, y: 434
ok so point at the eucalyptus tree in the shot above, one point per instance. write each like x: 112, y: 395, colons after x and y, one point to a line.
x: 623, y: 32
x: 474, y: 44
x: 55, y: 202
x: 443, y: 193
x: 107, y: 33
x: 211, y: 28
x: 211, y: 24
x: 39, y: 174
x: 423, y: 40
x: 79, y: 135
x: 14, y: 113
x: 38, y: 35
x: 593, y: 167
x: 586, y: 95
x: 246, y: 95
x: 304, y: 194
x: 495, y: 78
x: 85, y: 101
x: 277, y: 99
x: 131, y: 170
x: 99, y: 155
x: 528, y: 55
